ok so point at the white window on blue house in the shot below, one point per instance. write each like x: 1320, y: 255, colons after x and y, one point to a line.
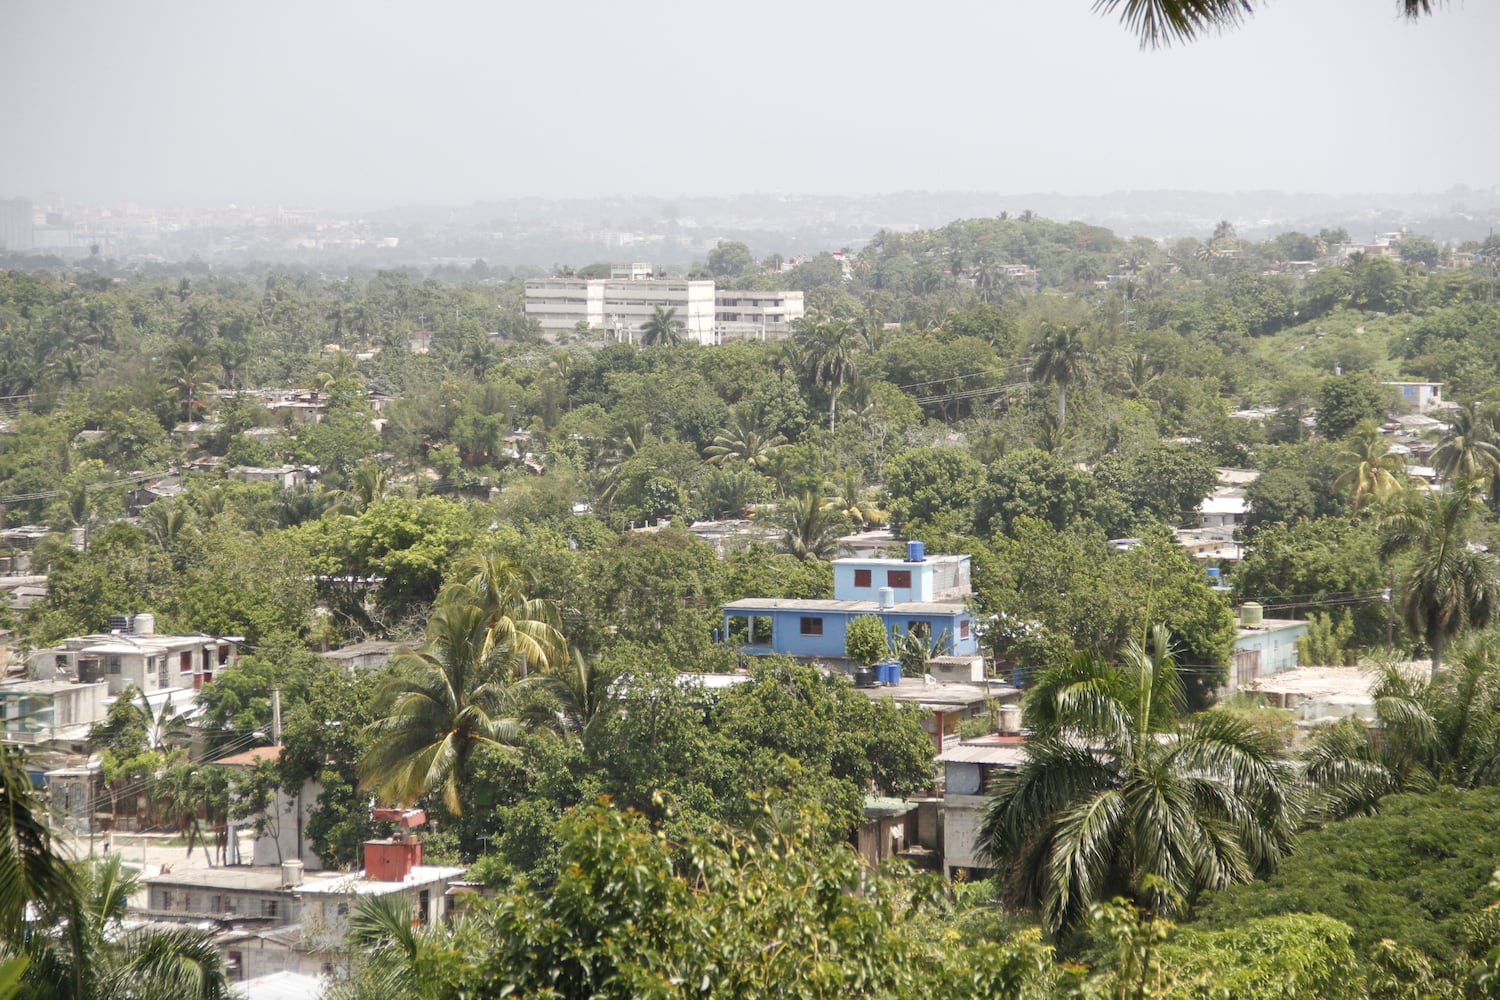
x: 812, y: 626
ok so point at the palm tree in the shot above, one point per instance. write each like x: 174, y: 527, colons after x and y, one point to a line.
x: 187, y: 367
x: 1371, y: 470
x: 33, y: 871
x: 526, y: 629
x: 1469, y: 448
x: 1120, y: 794
x: 828, y: 351
x: 810, y: 528
x: 1060, y: 358
x: 398, y: 956
x: 991, y: 281
x: 1161, y: 22
x: 633, y: 435
x: 662, y: 329
x: 1448, y: 587
x: 1427, y: 733
x: 444, y: 700
x: 744, y: 442
x: 848, y: 486
x: 168, y: 524
x: 368, y: 485
x: 1141, y: 371
x: 94, y: 958
x: 574, y: 697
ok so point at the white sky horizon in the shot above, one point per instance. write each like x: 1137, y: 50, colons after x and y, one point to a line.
x: 386, y: 103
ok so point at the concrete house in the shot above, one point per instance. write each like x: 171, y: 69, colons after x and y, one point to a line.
x: 51, y: 713
x: 1418, y: 397
x: 135, y: 655
x: 1263, y: 647
x: 968, y: 770
x: 280, y: 918
x: 920, y: 593
x: 281, y: 831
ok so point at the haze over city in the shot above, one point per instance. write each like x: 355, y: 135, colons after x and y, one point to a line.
x: 363, y: 106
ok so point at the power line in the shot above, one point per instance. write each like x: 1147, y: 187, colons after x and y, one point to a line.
x: 954, y: 378
x: 970, y: 393
x: 139, y: 477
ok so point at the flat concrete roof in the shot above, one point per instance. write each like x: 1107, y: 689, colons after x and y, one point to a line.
x: 1269, y: 625
x: 1331, y: 682
x: 46, y: 687
x: 268, y: 878
x: 370, y: 647
x: 936, y: 697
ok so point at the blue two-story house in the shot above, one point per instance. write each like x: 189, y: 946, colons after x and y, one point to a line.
x: 921, y: 593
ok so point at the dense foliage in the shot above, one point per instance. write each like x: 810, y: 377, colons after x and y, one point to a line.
x: 1050, y: 397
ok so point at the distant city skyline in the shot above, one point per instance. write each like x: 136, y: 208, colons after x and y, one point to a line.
x: 384, y: 103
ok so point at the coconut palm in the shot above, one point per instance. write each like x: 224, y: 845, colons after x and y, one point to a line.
x: 170, y: 524
x: 397, y: 953
x: 1447, y: 586
x: 662, y: 329
x: 810, y: 528
x: 33, y: 870
x: 1470, y: 447
x: 1350, y: 767
x: 1061, y: 358
x: 575, y: 697
x: 187, y: 368
x: 444, y: 700
x: 744, y: 442
x: 1371, y: 471
x: 1120, y: 794
x: 526, y: 629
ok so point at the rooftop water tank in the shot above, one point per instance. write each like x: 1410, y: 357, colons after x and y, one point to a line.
x: 144, y: 623
x: 887, y: 598
x: 915, y: 552
x: 291, y: 872
x: 1250, y: 614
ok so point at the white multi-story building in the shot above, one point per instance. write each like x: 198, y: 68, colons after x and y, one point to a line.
x: 620, y: 305
x: 135, y: 656
x: 747, y: 315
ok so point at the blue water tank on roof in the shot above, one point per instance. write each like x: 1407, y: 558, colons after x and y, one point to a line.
x: 915, y: 552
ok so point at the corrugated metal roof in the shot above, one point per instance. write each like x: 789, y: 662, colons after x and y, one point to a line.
x: 984, y: 753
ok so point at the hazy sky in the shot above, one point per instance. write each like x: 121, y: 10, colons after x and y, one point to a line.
x: 377, y: 102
